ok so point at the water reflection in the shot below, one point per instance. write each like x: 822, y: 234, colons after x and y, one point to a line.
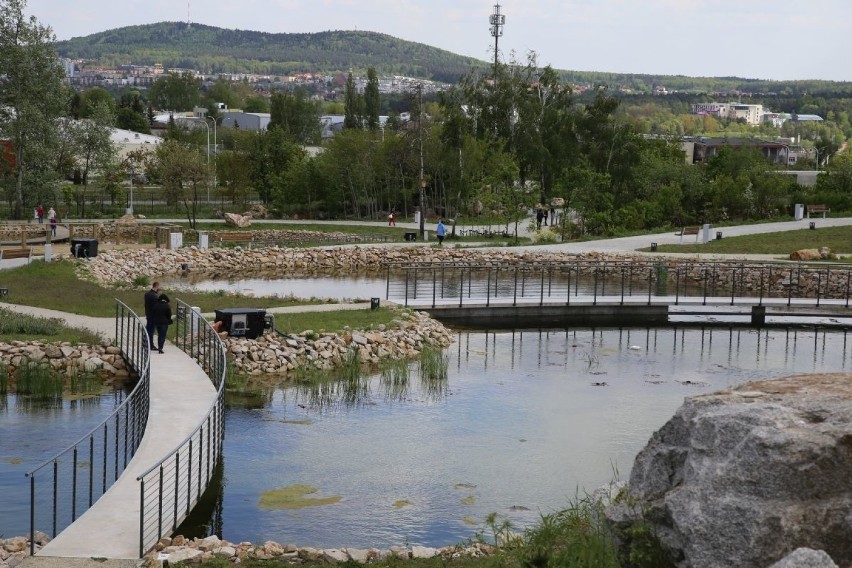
x: 517, y: 428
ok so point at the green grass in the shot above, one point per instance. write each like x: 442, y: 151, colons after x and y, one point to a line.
x: 334, y: 321
x: 838, y: 239
x: 55, y: 286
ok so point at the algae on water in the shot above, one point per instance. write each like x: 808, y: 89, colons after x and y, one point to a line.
x: 399, y: 504
x: 294, y: 497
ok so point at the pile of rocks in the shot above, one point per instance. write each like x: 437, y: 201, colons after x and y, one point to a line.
x: 14, y: 550
x: 199, y: 551
x: 123, y: 266
x: 276, y: 354
x: 104, y: 360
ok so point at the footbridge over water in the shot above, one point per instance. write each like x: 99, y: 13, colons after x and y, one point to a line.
x: 625, y: 292
x: 138, y: 474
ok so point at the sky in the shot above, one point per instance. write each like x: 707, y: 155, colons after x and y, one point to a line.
x: 758, y: 39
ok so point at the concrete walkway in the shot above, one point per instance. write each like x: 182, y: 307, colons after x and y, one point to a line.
x: 181, y: 394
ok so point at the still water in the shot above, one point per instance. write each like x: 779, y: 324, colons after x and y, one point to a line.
x: 341, y: 288
x: 32, y: 432
x: 525, y: 421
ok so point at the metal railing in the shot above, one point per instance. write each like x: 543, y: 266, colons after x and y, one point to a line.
x: 627, y: 281
x: 79, y: 475
x: 170, y: 489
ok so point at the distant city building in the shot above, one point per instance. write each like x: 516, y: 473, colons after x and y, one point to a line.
x: 255, y: 121
x: 750, y: 114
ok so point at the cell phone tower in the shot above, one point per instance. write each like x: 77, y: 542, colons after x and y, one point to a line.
x: 497, y: 21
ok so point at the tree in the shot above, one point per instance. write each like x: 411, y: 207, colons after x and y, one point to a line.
x: 32, y: 97
x: 372, y: 103
x: 91, y: 98
x: 353, y: 105
x: 93, y: 146
x: 182, y: 171
x: 177, y: 92
x: 297, y: 116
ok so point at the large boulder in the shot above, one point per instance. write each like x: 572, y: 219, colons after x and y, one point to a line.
x: 805, y: 254
x: 745, y: 476
x: 237, y: 220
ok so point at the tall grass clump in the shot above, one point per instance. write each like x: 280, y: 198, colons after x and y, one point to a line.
x: 350, y: 369
x: 84, y: 382
x: 14, y: 323
x: 395, y: 378
x: 434, y: 364
x: 4, y: 379
x: 38, y: 380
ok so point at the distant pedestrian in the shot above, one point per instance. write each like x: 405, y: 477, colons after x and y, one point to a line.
x: 40, y: 214
x: 392, y: 219
x: 151, y: 297
x: 552, y: 215
x: 441, y: 232
x: 162, y: 319
x: 539, y: 217
x: 51, y: 218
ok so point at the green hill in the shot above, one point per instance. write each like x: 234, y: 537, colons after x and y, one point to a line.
x: 213, y: 50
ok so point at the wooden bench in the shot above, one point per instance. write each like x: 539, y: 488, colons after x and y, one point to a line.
x: 690, y: 231
x: 222, y: 237
x: 818, y: 209
x: 8, y: 254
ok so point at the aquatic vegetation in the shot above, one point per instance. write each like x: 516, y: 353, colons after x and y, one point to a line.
x: 294, y: 497
x: 400, y: 503
x: 468, y: 520
x: 469, y: 500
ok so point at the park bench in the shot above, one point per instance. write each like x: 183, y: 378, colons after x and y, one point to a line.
x: 7, y: 254
x: 690, y: 231
x: 224, y: 237
x: 818, y: 209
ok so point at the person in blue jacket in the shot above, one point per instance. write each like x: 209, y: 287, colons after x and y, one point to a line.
x: 441, y: 231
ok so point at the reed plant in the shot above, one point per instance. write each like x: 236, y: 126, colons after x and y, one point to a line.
x: 434, y: 364
x: 4, y: 379
x: 84, y: 382
x: 38, y: 381
x: 395, y: 375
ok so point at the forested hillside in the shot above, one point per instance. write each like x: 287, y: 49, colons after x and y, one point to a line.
x: 213, y: 50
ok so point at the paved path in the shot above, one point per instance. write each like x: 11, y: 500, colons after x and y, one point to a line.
x: 181, y: 394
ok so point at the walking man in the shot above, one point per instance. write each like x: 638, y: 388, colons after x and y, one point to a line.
x: 151, y: 297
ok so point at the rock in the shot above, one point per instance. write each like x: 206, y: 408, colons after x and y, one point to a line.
x: 236, y: 220
x: 805, y: 254
x: 225, y: 551
x: 15, y: 544
x: 187, y: 555
x: 358, y: 555
x: 127, y: 220
x: 743, y: 476
x: 805, y: 558
x: 334, y: 555
x: 359, y: 339
x: 423, y: 552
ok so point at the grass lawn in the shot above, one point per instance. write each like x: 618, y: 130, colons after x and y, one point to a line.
x: 838, y: 239
x: 55, y: 286
x: 24, y: 327
x: 334, y: 321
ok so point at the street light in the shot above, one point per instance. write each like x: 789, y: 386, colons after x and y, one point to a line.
x: 215, y: 146
x: 130, y: 204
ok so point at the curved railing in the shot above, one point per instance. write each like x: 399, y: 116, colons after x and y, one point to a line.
x: 171, y: 488
x: 82, y: 473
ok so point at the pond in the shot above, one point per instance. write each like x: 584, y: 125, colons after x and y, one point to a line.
x: 524, y: 422
x: 340, y: 288
x: 32, y: 431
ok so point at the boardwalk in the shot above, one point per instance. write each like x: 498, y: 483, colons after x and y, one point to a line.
x: 181, y: 394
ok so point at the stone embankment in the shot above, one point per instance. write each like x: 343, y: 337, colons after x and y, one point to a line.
x: 63, y: 357
x: 122, y: 267
x: 275, y: 354
x: 201, y: 550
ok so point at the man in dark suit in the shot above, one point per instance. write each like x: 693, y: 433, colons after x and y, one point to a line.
x: 151, y: 297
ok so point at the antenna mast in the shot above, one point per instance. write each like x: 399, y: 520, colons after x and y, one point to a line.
x: 497, y: 21
x: 188, y: 17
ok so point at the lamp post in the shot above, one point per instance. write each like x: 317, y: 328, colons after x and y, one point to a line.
x: 130, y: 204
x: 215, y: 146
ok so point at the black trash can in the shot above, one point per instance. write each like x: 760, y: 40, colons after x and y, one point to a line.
x: 84, y: 248
x: 410, y: 236
x: 242, y: 322
x: 374, y: 303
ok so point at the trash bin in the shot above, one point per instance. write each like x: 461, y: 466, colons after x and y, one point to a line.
x: 799, y: 211
x: 718, y: 235
x: 410, y: 236
x: 242, y: 322
x: 84, y: 248
x: 653, y: 247
x: 374, y: 303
